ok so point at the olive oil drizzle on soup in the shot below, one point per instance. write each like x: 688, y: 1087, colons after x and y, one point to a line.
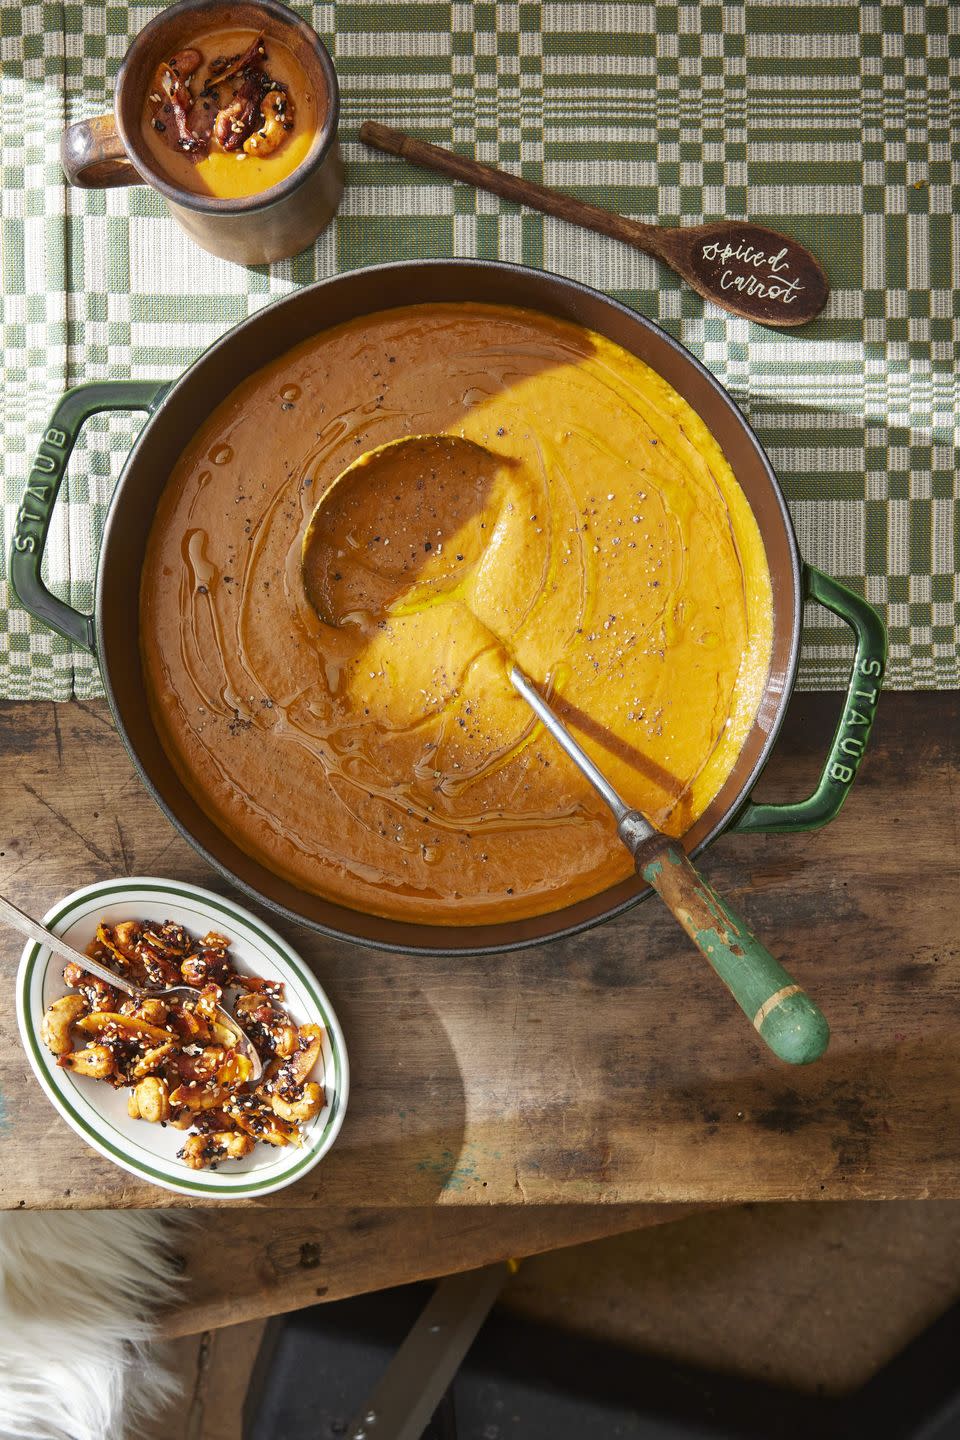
x: 387, y: 763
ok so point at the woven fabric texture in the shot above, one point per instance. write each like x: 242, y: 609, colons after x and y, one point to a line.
x: 834, y: 122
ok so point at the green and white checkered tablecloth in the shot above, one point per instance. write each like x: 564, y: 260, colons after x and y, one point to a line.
x: 837, y: 122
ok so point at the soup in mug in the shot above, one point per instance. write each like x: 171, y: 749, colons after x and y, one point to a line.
x: 231, y: 114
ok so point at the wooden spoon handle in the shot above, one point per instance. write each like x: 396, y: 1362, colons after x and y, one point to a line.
x: 512, y: 187
x: 747, y: 269
x: 781, y: 1012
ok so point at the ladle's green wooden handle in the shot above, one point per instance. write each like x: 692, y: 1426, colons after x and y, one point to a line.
x: 781, y: 1012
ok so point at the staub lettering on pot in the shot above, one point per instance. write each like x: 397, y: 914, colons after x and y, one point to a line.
x: 857, y: 718
x: 39, y: 493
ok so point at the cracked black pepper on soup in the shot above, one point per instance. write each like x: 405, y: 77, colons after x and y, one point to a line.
x: 386, y: 762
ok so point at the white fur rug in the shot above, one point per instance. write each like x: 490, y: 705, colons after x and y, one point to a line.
x: 78, y: 1295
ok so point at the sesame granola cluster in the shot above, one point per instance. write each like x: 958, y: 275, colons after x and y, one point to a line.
x: 174, y: 1056
x: 237, y: 108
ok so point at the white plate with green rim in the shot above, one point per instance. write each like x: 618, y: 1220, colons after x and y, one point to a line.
x: 98, y: 1113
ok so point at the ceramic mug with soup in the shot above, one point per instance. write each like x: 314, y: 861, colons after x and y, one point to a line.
x: 230, y: 112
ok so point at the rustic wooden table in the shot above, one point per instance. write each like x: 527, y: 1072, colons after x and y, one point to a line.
x: 814, y: 1297
x: 608, y: 1069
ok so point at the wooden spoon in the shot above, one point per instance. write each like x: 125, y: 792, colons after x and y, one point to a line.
x: 751, y: 271
x: 340, y: 584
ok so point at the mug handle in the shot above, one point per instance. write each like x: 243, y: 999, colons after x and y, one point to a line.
x: 40, y: 497
x: 856, y: 718
x: 93, y: 156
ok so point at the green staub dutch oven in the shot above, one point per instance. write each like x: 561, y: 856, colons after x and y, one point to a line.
x: 176, y: 410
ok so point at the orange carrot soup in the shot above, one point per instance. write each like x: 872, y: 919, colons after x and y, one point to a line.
x: 385, y: 761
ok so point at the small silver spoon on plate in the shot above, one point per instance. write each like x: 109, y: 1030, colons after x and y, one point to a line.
x: 33, y: 930
x: 341, y: 583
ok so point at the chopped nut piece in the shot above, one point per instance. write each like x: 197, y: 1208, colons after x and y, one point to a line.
x: 123, y: 1025
x: 58, y: 1021
x: 203, y: 1150
x: 278, y: 113
x: 258, y: 1120
x: 150, y: 1060
x: 236, y: 120
x: 150, y: 1100
x: 97, y: 993
x: 302, y: 1107
x: 95, y: 1061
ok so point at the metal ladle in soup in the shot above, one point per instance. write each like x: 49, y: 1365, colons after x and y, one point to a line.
x: 433, y: 492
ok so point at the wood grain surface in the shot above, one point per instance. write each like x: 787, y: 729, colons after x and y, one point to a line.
x: 813, y: 1297
x: 608, y: 1069
x: 303, y: 1257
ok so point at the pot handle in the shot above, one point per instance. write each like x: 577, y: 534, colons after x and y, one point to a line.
x: 780, y: 1010
x: 92, y: 155
x: 43, y: 486
x: 850, y: 741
